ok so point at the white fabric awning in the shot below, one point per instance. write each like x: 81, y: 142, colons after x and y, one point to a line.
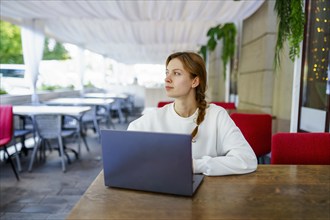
x: 129, y: 31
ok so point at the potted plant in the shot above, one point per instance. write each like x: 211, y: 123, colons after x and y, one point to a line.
x: 291, y: 18
x: 226, y: 33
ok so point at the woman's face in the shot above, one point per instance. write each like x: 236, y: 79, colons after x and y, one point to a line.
x: 178, y: 81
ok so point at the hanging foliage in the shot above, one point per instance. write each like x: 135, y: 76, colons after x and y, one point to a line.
x: 291, y: 18
x: 226, y: 33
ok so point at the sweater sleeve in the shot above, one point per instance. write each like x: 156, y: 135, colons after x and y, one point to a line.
x: 142, y: 123
x: 234, y: 154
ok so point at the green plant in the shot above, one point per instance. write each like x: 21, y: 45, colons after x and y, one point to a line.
x: 10, y: 43
x: 227, y: 33
x: 291, y: 18
x: 54, y: 51
x: 89, y: 85
x: 3, y: 92
x: 11, y: 46
x: 49, y: 87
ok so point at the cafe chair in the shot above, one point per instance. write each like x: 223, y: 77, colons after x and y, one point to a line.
x: 117, y: 110
x: 226, y: 105
x: 103, y: 115
x: 257, y: 130
x: 23, y: 129
x: 162, y: 103
x: 128, y: 106
x: 73, y: 123
x: 301, y: 148
x: 93, y: 119
x: 49, y: 127
x: 6, y: 134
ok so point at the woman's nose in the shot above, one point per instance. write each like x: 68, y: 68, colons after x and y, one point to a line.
x: 167, y: 79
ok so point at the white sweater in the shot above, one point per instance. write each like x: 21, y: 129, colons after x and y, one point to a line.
x: 220, y: 147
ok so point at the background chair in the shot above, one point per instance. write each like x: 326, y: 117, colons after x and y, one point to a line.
x: 301, y: 148
x: 23, y: 129
x: 162, y: 103
x: 226, y: 105
x: 94, y: 118
x: 72, y: 123
x: 49, y: 127
x: 257, y: 130
x: 103, y: 114
x: 6, y: 133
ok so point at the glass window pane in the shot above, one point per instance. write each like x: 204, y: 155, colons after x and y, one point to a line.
x: 317, y: 55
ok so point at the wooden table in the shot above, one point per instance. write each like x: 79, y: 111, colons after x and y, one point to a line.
x: 272, y: 192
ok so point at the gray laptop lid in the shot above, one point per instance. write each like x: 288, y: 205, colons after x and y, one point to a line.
x: 149, y: 161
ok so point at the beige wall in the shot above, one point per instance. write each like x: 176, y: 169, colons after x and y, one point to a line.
x: 259, y: 86
x: 282, y: 95
x: 255, y: 79
x: 268, y: 90
x: 216, y: 88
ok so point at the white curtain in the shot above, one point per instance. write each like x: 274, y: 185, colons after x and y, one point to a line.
x: 81, y: 67
x: 104, y: 73
x: 33, y: 46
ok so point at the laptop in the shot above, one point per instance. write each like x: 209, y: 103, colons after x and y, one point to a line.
x: 149, y: 161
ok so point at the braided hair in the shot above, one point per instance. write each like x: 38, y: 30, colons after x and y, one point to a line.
x: 194, y: 64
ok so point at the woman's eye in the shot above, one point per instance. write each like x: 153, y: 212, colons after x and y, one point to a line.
x: 177, y: 73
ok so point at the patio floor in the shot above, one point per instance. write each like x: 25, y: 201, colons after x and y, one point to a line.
x: 47, y: 192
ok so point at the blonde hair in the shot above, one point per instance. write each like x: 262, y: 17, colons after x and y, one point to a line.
x: 195, y: 65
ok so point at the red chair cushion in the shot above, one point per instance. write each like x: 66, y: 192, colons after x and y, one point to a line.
x: 301, y: 148
x: 226, y: 105
x: 257, y: 130
x: 6, y: 124
x: 161, y: 104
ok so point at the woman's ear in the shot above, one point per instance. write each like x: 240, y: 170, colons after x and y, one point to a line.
x: 195, y: 82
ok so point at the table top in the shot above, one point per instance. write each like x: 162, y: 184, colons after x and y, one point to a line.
x: 106, y: 95
x: 272, y: 192
x: 80, y: 101
x: 44, y: 109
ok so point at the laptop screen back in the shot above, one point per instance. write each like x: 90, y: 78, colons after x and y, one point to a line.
x: 148, y: 161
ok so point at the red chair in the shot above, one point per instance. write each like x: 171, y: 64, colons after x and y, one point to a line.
x: 162, y: 103
x: 257, y: 130
x: 301, y: 148
x: 6, y: 131
x: 226, y: 105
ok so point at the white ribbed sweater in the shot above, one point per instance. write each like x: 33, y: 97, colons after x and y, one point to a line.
x: 220, y: 147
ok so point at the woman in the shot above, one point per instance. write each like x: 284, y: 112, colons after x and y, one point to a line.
x: 218, y: 146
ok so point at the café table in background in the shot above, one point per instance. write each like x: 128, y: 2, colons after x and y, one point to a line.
x: 121, y: 100
x: 92, y: 102
x: 75, y: 112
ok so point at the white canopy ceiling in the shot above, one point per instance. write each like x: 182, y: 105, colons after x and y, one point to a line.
x: 128, y: 31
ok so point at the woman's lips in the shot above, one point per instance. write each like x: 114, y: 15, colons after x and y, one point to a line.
x: 168, y: 87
